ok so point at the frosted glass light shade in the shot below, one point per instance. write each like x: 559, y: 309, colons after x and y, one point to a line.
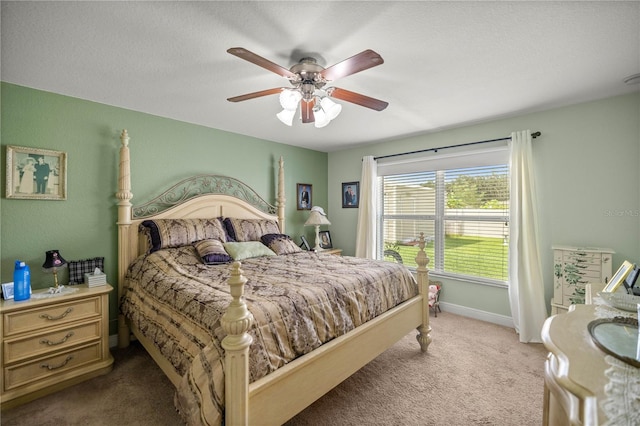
x: 330, y: 108
x: 286, y: 116
x: 321, y: 118
x: 289, y: 99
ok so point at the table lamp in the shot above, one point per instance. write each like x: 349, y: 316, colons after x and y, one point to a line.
x: 316, y: 218
x: 52, y: 263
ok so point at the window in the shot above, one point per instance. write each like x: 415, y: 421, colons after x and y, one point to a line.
x: 463, y: 212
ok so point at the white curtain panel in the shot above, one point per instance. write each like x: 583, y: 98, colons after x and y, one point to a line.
x: 526, y: 287
x: 367, y: 211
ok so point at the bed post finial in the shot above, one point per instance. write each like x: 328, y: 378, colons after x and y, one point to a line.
x: 124, y: 178
x: 235, y: 323
x: 424, y: 330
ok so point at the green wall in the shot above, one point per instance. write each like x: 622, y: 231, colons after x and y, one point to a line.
x: 163, y: 151
x: 587, y: 162
x: 587, y: 175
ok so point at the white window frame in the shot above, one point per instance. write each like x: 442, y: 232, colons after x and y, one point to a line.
x: 497, y: 154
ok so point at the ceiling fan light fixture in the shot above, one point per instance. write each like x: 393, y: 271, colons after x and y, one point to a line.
x: 308, y: 79
x: 286, y: 116
x: 290, y: 98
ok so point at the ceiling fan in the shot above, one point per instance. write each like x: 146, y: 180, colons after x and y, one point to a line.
x: 308, y: 79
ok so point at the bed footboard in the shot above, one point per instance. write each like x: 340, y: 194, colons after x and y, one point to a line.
x: 304, y: 380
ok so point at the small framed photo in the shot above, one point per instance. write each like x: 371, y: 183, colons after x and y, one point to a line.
x: 303, y: 191
x: 350, y: 194
x: 7, y: 291
x: 325, y: 240
x: 617, y: 278
x: 305, y: 243
x: 36, y: 174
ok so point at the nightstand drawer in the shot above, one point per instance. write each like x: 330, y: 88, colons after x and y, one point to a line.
x: 43, y: 368
x: 50, y: 316
x: 54, y: 340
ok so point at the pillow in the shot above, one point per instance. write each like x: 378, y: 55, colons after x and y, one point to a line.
x: 77, y: 268
x: 165, y: 233
x: 247, y: 249
x: 280, y: 243
x: 212, y: 252
x: 249, y: 229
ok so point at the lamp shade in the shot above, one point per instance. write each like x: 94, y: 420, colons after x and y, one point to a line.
x: 54, y: 260
x: 317, y: 217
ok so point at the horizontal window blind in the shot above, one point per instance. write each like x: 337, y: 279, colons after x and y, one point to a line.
x: 464, y: 212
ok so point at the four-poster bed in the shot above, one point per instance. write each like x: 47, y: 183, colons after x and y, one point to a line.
x: 400, y: 304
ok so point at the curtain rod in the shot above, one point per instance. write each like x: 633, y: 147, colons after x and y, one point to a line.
x: 533, y: 135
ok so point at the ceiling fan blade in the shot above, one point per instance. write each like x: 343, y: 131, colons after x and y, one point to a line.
x: 360, y: 62
x: 253, y: 95
x: 243, y: 53
x: 307, y: 111
x: 357, y: 98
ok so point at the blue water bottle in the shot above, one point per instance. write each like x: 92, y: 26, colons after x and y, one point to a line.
x: 21, y: 281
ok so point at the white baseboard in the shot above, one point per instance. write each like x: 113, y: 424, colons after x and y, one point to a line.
x: 477, y: 314
x: 113, y: 340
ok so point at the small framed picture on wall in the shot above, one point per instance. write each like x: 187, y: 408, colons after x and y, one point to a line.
x: 304, y: 196
x: 350, y: 194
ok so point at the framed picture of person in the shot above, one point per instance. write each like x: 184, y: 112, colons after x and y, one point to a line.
x: 350, y: 194
x: 325, y: 240
x: 303, y: 191
x: 38, y: 174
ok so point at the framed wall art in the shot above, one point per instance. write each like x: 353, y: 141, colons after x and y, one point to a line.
x: 36, y: 174
x: 303, y: 191
x: 350, y: 194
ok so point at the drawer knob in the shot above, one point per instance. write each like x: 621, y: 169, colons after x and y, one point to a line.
x: 55, y: 367
x: 50, y: 343
x: 62, y: 315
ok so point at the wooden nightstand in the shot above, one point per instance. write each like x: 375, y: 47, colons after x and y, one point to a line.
x: 336, y: 251
x: 52, y: 342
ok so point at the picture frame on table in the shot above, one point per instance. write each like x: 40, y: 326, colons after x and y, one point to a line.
x: 325, y: 240
x: 303, y: 196
x: 350, y: 194
x: 7, y: 291
x: 36, y: 174
x: 618, y: 278
x: 305, y: 244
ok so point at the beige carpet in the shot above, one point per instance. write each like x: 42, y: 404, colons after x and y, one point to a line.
x: 475, y: 373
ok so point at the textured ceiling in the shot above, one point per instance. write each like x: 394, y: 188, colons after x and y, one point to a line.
x: 447, y: 64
